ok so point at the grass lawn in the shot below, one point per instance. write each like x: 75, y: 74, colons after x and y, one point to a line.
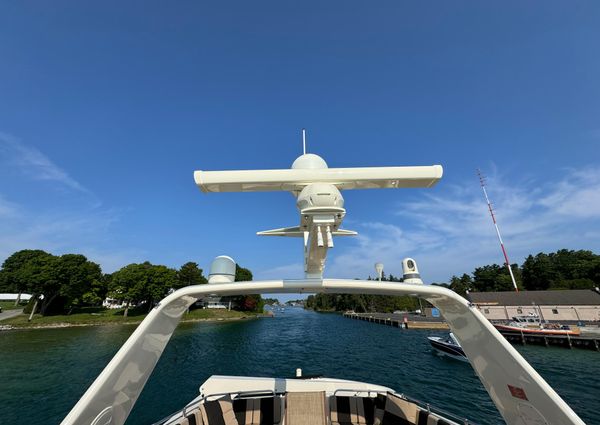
x: 96, y: 316
x: 10, y: 305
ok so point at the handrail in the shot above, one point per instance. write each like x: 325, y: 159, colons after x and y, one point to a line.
x: 435, y: 410
x: 355, y: 391
x: 238, y: 395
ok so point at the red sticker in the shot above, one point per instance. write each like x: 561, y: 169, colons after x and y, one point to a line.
x: 517, y: 392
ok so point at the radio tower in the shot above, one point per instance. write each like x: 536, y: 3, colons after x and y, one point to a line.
x: 506, y: 262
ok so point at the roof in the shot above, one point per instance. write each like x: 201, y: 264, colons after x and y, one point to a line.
x: 557, y: 297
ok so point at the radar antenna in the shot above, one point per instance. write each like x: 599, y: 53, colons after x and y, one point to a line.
x: 317, y: 189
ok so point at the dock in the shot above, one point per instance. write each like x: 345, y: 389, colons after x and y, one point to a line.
x: 404, y: 321
x: 411, y: 321
x: 589, y: 342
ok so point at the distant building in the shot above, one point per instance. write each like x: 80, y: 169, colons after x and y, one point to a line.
x: 113, y: 303
x: 215, y: 301
x: 13, y: 297
x: 571, y: 305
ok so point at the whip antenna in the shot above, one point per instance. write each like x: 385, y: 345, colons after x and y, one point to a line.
x: 506, y: 262
x: 304, y: 141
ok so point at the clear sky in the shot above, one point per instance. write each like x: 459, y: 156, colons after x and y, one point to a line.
x: 107, y: 108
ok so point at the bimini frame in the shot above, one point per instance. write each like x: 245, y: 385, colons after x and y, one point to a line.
x: 518, y: 391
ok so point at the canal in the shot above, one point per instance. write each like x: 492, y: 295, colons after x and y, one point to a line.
x: 44, y: 372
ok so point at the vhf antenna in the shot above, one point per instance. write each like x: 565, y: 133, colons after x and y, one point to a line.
x: 304, y: 141
x: 506, y: 262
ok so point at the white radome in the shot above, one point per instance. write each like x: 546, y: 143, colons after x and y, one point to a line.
x: 309, y: 161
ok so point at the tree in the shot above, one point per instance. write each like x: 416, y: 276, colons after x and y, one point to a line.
x: 461, y: 285
x: 98, y: 291
x: 161, y: 280
x: 538, y: 272
x: 495, y: 277
x: 242, y: 274
x: 22, y: 271
x: 58, y: 282
x: 125, y: 285
x: 563, y: 269
x: 138, y: 283
x: 76, y: 277
x: 246, y: 302
x: 189, y: 274
x: 362, y: 302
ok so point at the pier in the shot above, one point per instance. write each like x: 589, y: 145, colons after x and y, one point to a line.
x: 406, y: 321
x: 590, y: 342
x: 411, y: 321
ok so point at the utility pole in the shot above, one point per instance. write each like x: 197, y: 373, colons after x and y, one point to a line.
x: 487, y: 199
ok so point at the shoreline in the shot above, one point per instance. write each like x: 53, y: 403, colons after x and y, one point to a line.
x: 62, y: 325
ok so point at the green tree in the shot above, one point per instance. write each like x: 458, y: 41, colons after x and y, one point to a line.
x: 142, y: 283
x: 23, y: 271
x: 495, y: 277
x: 76, y: 277
x: 362, y: 302
x: 462, y: 284
x: 242, y: 274
x: 161, y: 280
x: 58, y: 282
x: 252, y: 302
x: 539, y: 272
x: 189, y: 274
x: 98, y: 291
x: 125, y: 285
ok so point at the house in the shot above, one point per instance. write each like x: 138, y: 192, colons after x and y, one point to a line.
x: 13, y: 297
x: 215, y: 301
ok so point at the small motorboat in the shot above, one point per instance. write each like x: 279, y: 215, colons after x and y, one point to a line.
x: 532, y: 325
x: 448, y: 347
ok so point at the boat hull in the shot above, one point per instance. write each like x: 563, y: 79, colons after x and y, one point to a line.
x: 534, y: 331
x: 449, y: 350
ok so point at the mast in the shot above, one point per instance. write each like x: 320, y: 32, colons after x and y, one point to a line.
x: 487, y: 199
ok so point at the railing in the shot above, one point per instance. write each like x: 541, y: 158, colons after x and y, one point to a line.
x: 435, y: 410
x: 234, y: 395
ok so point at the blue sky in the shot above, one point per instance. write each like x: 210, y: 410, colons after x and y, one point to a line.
x: 106, y: 109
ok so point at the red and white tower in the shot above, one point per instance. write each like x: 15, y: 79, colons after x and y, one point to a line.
x: 487, y: 199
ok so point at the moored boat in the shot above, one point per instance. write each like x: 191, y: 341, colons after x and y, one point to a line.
x: 532, y: 325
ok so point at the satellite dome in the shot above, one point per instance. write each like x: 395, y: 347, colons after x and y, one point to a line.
x: 309, y: 161
x: 222, y: 270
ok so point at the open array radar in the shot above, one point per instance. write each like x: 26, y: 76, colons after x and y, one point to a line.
x: 518, y: 391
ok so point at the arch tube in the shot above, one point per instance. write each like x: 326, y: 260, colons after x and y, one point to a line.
x: 518, y: 391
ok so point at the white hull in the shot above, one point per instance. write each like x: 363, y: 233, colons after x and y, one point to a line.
x: 443, y: 348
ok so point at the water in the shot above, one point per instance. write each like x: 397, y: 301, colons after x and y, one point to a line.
x: 44, y: 372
